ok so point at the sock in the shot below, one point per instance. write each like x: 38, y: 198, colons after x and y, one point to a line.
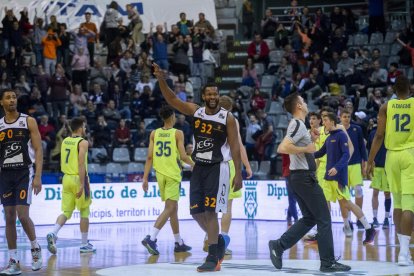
x: 178, y: 239
x: 56, y: 229
x: 404, y: 243
x: 350, y: 215
x: 387, y: 204
x: 364, y: 222
x: 84, y: 238
x: 387, y: 214
x: 13, y: 254
x: 155, y: 232
x: 34, y: 244
x: 346, y: 223
x: 224, y: 233
x: 375, y: 212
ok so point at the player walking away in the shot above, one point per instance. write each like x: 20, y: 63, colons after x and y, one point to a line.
x: 227, y: 103
x: 215, y: 137
x: 21, y: 150
x: 165, y: 150
x: 357, y: 164
x: 75, y: 184
x: 298, y: 144
x: 379, y: 182
x: 396, y: 125
x: 336, y: 177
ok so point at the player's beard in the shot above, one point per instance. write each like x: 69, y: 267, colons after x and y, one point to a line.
x: 214, y: 106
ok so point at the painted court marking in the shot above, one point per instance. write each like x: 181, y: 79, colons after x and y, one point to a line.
x: 259, y: 267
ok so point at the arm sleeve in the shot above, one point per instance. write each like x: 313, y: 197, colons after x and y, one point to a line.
x: 321, y: 152
x: 343, y: 145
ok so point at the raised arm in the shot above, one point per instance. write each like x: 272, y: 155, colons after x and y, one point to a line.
x: 37, y: 146
x: 233, y: 140
x: 169, y: 95
x: 400, y: 41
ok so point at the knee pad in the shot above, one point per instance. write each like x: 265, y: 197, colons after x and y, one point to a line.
x: 67, y: 214
x: 358, y: 191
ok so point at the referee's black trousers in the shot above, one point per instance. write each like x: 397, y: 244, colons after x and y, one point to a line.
x: 314, y: 208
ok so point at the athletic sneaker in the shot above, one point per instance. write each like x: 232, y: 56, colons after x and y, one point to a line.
x: 360, y: 226
x: 370, y: 235
x: 205, y: 246
x: 311, y: 239
x: 386, y: 224
x: 348, y: 231
x: 150, y: 245
x: 228, y: 252
x: 87, y: 248
x: 51, y: 243
x: 276, y: 252
x: 211, y: 264
x: 36, y: 258
x: 221, y: 247
x: 335, y: 267
x: 13, y: 268
x: 181, y: 247
x: 226, y: 240
x: 405, y: 260
x: 375, y: 223
x: 351, y: 225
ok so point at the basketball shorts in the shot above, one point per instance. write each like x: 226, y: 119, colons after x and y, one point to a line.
x: 320, y: 172
x: 16, y: 186
x: 334, y: 192
x: 233, y: 194
x: 399, y: 167
x: 209, y: 188
x: 71, y: 184
x: 379, y: 181
x: 169, y: 187
x: 355, y: 175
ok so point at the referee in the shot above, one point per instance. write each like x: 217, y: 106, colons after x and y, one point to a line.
x: 298, y: 144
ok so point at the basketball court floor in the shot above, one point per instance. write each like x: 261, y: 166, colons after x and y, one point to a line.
x: 120, y: 253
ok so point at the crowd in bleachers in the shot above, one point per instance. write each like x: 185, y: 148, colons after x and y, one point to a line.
x: 329, y: 59
x: 103, y: 73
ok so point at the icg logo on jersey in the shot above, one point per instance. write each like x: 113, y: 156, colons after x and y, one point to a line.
x: 250, y: 199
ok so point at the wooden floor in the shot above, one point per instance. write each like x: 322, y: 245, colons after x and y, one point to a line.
x: 120, y: 245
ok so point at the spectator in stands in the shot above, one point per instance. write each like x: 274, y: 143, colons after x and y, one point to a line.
x: 110, y: 23
x: 375, y: 100
x: 378, y: 77
x: 160, y: 53
x: 188, y: 86
x: 114, y: 50
x: 252, y: 132
x: 7, y: 23
x: 259, y: 50
x: 16, y: 44
x: 97, y: 75
x: 376, y: 55
x: 321, y: 21
x: 410, y: 49
x: 145, y: 81
x: 48, y: 135
x: 22, y: 84
x: 180, y: 61
x: 117, y: 76
x: 93, y: 39
x: 60, y: 136
x: 393, y: 73
x: 198, y: 46
x: 98, y: 97
x: 285, y: 70
x: 337, y: 18
x: 50, y: 44
x: 333, y: 61
x: 249, y: 76
x: 173, y: 34
x: 90, y: 114
x: 101, y: 137
x: 135, y: 105
x: 78, y: 100
x: 204, y: 24
x: 361, y: 55
x: 63, y: 50
x: 281, y: 36
x: 290, y: 55
x: 36, y: 108
x: 282, y: 89
x: 53, y: 25
x: 247, y: 19
x: 42, y: 81
x: 257, y: 101
x: 38, y: 33
x: 315, y: 85
x: 141, y: 140
x: 185, y: 127
x: 122, y: 136
x: 126, y: 62
x: 135, y: 24
x: 268, y: 24
x: 119, y: 98
x: 144, y: 63
x: 5, y: 81
x: 265, y: 143
x: 80, y: 68
x: 317, y: 63
x: 345, y: 69
x: 349, y: 21
x: 338, y: 41
x: 59, y: 85
x: 184, y: 25
x: 81, y: 38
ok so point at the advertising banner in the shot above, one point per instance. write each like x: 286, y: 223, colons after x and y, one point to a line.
x: 125, y: 202
x: 72, y: 12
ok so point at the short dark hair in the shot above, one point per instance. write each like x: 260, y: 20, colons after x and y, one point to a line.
x: 317, y: 115
x: 210, y: 85
x: 88, y: 13
x: 327, y: 109
x: 3, y: 91
x: 166, y: 112
x: 290, y: 102
x: 76, y: 123
x: 332, y: 117
x: 344, y: 111
x: 226, y: 102
x: 402, y: 85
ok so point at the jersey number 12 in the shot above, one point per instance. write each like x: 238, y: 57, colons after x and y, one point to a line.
x: 401, y: 122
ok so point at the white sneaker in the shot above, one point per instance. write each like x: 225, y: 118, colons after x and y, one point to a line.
x: 13, y: 268
x: 36, y: 258
x: 51, y: 243
x: 405, y: 260
x: 87, y: 248
x: 348, y: 231
x: 228, y: 252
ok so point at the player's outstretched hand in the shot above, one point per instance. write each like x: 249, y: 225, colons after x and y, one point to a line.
x: 37, y: 185
x: 237, y: 182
